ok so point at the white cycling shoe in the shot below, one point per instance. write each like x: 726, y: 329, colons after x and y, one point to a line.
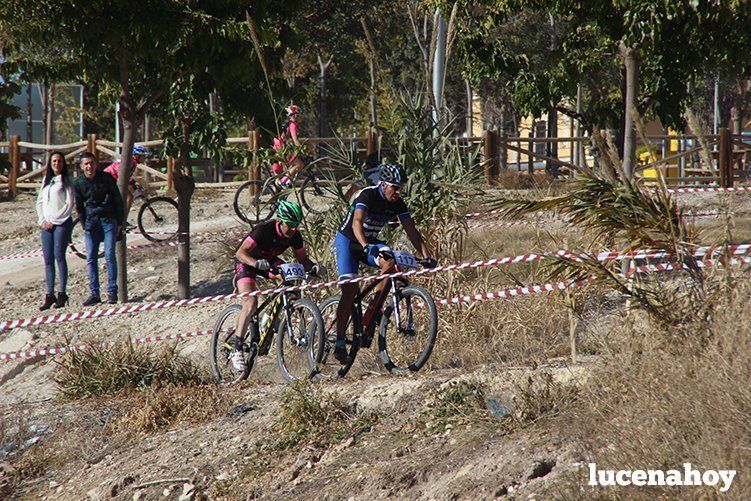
x: 238, y: 360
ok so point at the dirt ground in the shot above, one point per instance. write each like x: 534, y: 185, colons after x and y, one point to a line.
x: 406, y: 454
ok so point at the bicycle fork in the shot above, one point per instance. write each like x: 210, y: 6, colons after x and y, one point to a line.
x: 409, y: 329
x: 301, y: 341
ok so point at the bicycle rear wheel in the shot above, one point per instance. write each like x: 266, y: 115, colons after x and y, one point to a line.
x: 254, y: 201
x: 222, y: 345
x: 406, y: 340
x: 317, y: 193
x: 327, y: 366
x: 77, y: 242
x: 158, y: 219
x: 297, y: 335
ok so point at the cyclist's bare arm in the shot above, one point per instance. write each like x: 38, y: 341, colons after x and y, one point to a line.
x: 303, y: 259
x: 243, y: 253
x: 293, y: 136
x: 414, y: 236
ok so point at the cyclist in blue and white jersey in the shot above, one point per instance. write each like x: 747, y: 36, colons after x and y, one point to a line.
x: 357, y: 239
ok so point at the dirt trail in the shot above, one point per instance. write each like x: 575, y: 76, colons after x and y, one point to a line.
x: 405, y: 445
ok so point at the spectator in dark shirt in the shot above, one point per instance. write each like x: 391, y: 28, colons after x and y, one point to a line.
x: 100, y: 210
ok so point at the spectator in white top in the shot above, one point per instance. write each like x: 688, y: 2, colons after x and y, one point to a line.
x: 54, y: 208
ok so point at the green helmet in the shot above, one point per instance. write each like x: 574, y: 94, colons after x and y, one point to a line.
x: 289, y: 212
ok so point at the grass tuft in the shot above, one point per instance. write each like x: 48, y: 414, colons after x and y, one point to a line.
x: 106, y: 370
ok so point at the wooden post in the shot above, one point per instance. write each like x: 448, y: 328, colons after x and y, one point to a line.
x: 491, y: 156
x: 371, y: 141
x: 14, y: 154
x: 530, y: 157
x: 170, y: 173
x: 254, y: 169
x: 725, y: 164
x: 503, y: 150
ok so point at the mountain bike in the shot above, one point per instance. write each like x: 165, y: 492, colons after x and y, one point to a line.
x: 405, y: 315
x: 255, y: 199
x: 295, y: 320
x: 157, y: 221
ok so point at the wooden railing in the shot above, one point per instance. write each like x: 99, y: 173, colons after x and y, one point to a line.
x: 17, y: 178
x: 523, y: 154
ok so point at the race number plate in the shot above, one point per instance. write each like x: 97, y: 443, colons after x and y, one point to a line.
x: 293, y: 272
x: 405, y: 259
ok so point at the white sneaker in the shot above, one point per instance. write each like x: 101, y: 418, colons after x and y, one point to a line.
x: 238, y: 360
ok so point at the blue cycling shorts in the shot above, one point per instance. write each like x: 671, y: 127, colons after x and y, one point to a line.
x: 347, y: 258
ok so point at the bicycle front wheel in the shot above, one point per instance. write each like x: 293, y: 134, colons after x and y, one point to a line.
x: 158, y: 219
x: 406, y: 337
x: 254, y: 201
x: 77, y: 242
x: 300, y: 331
x: 223, y: 342
x: 327, y: 366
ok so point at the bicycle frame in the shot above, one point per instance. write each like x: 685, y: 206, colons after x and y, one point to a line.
x: 363, y: 324
x: 273, y: 302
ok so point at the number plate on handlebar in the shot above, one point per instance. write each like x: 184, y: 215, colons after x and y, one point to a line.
x: 405, y: 259
x: 292, y: 272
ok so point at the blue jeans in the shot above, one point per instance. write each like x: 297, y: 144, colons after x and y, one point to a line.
x: 102, y: 230
x: 54, y: 244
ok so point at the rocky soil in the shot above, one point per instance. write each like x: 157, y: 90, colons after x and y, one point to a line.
x: 402, y: 444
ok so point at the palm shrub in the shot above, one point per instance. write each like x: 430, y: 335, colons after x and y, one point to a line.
x: 442, y: 177
x: 619, y: 214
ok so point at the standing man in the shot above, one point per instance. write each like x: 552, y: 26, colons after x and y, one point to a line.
x: 101, y: 212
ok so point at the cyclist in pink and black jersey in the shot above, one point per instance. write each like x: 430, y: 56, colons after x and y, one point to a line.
x: 259, y: 255
x: 288, y: 168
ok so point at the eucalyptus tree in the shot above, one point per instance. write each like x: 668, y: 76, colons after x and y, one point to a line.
x: 134, y: 52
x: 631, y: 56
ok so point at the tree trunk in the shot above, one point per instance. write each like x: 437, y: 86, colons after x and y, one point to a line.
x: 551, y: 149
x: 44, y: 95
x: 373, y: 65
x: 49, y: 137
x: 737, y: 114
x: 130, y: 125
x: 470, y: 117
x: 439, y: 68
x: 322, y: 118
x: 29, y: 111
x: 185, y: 185
x: 631, y: 63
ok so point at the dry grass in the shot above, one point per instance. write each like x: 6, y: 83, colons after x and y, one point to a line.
x: 105, y: 370
x: 522, y: 331
x: 654, y: 405
x: 309, y: 414
x: 159, y: 407
x: 513, y: 180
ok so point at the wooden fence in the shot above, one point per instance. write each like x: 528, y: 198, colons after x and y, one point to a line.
x: 679, y: 158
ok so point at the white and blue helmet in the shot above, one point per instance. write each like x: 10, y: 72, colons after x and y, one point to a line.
x: 392, y: 173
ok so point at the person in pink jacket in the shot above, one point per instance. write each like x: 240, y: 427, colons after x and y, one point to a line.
x: 287, y: 168
x: 54, y: 207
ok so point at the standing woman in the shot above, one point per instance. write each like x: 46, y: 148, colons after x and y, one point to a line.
x: 54, y: 208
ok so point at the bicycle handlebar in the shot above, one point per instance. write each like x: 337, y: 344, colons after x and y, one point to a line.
x: 425, y: 262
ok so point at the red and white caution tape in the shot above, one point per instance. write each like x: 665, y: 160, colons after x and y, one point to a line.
x: 501, y: 294
x: 514, y: 292
x: 56, y: 350
x: 137, y: 308
x: 22, y: 255
x: 709, y: 189
x: 702, y: 252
